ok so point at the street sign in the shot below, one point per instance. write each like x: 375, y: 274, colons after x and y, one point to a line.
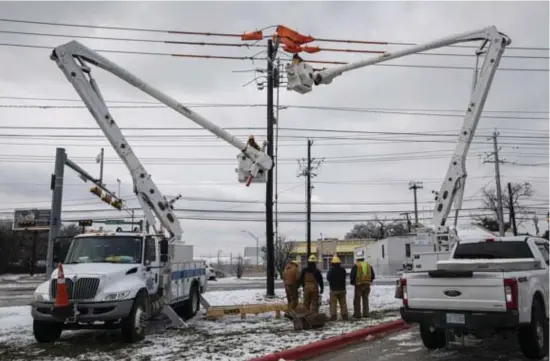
x: 116, y: 221
x: 32, y: 219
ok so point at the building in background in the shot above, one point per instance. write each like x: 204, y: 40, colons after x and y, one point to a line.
x: 388, y: 255
x: 324, y: 250
x: 254, y: 256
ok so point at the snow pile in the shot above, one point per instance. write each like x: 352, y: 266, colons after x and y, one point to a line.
x: 228, y: 339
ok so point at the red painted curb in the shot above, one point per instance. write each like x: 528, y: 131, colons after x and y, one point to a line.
x: 332, y: 343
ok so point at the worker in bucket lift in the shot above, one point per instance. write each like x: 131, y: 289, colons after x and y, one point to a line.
x: 296, y: 59
x: 312, y: 282
x: 336, y: 277
x: 291, y: 279
x: 252, y: 143
x: 361, y: 276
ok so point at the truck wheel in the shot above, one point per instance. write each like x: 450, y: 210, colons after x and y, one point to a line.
x: 432, y: 340
x: 46, y: 332
x: 533, y: 338
x: 133, y: 326
x: 192, y: 305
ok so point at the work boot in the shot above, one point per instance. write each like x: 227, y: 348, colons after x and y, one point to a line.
x: 345, y: 317
x: 333, y: 318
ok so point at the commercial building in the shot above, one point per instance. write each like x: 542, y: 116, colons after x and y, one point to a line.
x: 324, y: 250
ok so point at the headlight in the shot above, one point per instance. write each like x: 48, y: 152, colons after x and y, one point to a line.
x: 116, y: 296
x: 40, y: 297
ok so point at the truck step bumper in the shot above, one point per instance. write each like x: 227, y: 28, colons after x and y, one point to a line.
x: 462, y: 320
x: 88, y: 311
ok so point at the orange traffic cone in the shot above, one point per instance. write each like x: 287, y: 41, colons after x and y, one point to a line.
x: 62, y: 308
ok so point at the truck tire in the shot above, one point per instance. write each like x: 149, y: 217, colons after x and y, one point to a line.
x: 432, y: 340
x: 46, y: 332
x: 192, y: 304
x: 133, y: 326
x: 533, y: 338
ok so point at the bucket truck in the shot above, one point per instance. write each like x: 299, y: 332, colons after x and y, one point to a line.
x: 302, y: 77
x: 118, y: 279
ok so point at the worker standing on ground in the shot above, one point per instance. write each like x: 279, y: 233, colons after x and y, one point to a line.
x: 312, y: 282
x: 336, y: 277
x: 291, y: 279
x: 361, y: 276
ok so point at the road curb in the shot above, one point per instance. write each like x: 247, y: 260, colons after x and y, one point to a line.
x: 332, y: 343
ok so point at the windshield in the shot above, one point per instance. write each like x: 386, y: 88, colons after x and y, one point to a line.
x: 493, y: 250
x: 105, y: 249
x: 543, y: 248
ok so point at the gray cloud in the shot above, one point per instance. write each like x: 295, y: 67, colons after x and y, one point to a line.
x: 30, y: 73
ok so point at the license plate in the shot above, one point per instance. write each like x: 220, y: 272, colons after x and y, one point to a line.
x: 456, y: 318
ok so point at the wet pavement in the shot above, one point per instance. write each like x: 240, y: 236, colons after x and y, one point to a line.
x: 407, y: 345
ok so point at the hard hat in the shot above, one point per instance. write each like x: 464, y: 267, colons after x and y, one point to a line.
x: 250, y: 137
x: 312, y: 258
x: 297, y: 261
x: 359, y: 254
x: 336, y: 259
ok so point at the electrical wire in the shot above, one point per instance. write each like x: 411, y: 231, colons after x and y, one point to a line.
x: 255, y: 58
x: 237, y: 45
x: 284, y: 106
x: 233, y: 35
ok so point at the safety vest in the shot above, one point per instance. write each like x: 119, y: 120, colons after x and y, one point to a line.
x: 363, y: 275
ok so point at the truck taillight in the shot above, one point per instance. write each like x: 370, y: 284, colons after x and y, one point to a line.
x: 489, y: 240
x: 511, y: 293
x: 404, y: 290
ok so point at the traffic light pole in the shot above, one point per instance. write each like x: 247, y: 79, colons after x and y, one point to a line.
x: 61, y: 160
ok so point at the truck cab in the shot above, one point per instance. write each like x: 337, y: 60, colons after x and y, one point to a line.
x: 114, y: 277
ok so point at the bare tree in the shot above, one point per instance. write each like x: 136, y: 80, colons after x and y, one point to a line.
x: 377, y: 229
x: 520, y: 192
x: 239, y: 266
x: 284, y: 248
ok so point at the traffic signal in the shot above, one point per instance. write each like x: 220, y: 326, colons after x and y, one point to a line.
x: 96, y: 190
x: 107, y: 198
x: 85, y: 223
x: 117, y: 203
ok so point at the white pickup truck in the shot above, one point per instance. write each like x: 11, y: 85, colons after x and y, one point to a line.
x: 114, y: 281
x: 487, y: 286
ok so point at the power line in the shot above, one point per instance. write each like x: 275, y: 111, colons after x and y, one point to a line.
x: 202, y: 33
x: 281, y: 106
x: 236, y: 45
x: 255, y: 58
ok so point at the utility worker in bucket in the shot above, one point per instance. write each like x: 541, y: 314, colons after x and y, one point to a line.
x: 252, y: 143
x: 291, y: 279
x: 312, y: 282
x: 361, y: 276
x: 336, y: 277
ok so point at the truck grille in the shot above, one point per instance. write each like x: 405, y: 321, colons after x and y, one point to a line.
x: 83, y: 289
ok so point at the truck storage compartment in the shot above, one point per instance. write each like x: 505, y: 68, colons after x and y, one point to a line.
x: 489, y: 265
x: 469, y: 291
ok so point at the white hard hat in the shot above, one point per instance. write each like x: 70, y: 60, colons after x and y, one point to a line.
x: 359, y: 254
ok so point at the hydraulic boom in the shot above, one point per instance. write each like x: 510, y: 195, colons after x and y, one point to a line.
x: 302, y: 76
x: 72, y: 58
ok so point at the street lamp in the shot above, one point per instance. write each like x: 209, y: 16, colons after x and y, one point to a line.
x: 257, y: 245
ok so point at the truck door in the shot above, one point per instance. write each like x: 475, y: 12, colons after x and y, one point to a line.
x: 151, y: 263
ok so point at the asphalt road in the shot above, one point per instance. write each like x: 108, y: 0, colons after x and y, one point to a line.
x: 21, y: 294
x: 407, y: 345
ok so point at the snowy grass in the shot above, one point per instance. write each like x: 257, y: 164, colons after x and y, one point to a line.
x: 227, y: 339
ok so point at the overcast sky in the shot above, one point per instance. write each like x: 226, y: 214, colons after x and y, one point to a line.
x: 374, y: 171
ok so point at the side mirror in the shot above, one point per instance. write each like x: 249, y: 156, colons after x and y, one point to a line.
x: 163, y: 245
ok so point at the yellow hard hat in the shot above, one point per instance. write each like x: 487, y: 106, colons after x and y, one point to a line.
x: 336, y: 259
x: 250, y: 137
x: 312, y: 258
x: 297, y: 261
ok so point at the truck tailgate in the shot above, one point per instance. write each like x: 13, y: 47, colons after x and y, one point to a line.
x: 483, y: 291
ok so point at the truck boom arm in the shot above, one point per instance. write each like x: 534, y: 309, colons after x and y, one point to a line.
x: 71, y: 58
x: 301, y: 77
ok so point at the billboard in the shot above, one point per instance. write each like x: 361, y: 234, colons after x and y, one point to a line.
x: 32, y: 219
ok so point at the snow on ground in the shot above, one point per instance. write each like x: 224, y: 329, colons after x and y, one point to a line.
x: 19, y: 281
x: 227, y: 339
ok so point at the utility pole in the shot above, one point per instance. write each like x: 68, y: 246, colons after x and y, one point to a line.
x: 512, y: 212
x: 497, y: 161
x: 57, y: 201
x: 414, y: 185
x: 406, y: 214
x: 269, y: 234
x: 307, y: 168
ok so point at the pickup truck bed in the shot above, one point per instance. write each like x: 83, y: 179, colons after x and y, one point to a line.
x: 486, y: 287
